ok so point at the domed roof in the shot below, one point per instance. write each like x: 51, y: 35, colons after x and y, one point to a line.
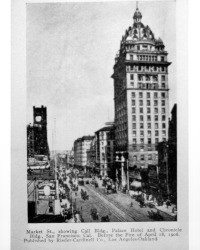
x: 139, y: 32
x: 159, y: 42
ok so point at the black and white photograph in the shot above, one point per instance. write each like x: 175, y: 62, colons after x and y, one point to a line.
x: 101, y: 112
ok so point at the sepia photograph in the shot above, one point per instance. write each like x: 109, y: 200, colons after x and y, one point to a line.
x: 101, y: 112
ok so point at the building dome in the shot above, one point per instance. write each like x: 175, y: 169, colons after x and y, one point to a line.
x: 140, y: 33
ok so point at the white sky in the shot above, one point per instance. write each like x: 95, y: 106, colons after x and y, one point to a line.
x: 70, y: 56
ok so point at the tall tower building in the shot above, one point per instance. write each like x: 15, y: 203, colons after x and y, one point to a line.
x: 141, y: 97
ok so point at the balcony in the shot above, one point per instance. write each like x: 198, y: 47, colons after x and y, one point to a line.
x: 143, y: 62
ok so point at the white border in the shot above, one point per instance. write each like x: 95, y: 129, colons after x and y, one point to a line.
x: 5, y: 125
x: 194, y: 120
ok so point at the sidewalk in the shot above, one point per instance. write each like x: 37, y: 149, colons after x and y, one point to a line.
x: 166, y: 210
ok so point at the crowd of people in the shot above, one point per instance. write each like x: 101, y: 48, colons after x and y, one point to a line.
x: 71, y: 181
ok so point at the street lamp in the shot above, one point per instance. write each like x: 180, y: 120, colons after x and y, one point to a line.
x: 167, y: 168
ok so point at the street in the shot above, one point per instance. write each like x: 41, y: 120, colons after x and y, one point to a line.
x: 117, y: 206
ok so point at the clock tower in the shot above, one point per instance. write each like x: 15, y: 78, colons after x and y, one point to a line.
x: 40, y: 130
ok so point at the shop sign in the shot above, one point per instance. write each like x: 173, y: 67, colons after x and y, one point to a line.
x: 46, y: 190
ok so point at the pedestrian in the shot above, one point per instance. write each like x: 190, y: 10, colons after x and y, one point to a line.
x: 75, y: 219
x: 131, y: 204
x: 173, y: 210
x: 168, y: 203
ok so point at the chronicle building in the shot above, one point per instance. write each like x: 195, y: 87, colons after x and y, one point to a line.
x: 141, y: 96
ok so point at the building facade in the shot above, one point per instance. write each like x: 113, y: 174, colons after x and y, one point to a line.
x: 71, y: 158
x: 141, y: 96
x: 91, y: 156
x: 77, y: 152
x: 167, y: 156
x: 81, y: 146
x: 105, y: 138
x: 172, y: 141
x: 30, y: 141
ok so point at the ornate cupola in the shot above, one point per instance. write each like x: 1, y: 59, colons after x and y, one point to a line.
x: 137, y: 16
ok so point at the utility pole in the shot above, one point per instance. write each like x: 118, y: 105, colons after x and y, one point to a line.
x: 52, y: 145
x: 128, y: 184
x: 55, y: 135
x: 35, y: 192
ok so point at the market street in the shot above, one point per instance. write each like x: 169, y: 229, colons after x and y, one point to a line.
x: 117, y: 205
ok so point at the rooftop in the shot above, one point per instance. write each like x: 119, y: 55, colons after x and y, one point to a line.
x: 107, y: 128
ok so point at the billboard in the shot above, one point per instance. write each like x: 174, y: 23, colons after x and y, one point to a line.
x: 46, y: 189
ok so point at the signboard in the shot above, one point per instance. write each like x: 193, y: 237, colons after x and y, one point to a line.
x: 46, y: 190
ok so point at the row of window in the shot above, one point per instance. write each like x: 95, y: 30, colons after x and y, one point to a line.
x: 149, y: 133
x: 163, y: 117
x: 148, y: 94
x: 147, y: 58
x: 149, y: 68
x: 142, y: 158
x: 139, y: 46
x: 146, y: 68
x: 141, y: 110
x: 149, y: 141
x: 148, y: 85
x: 148, y: 102
x: 148, y: 126
x: 147, y: 77
x: 144, y: 47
